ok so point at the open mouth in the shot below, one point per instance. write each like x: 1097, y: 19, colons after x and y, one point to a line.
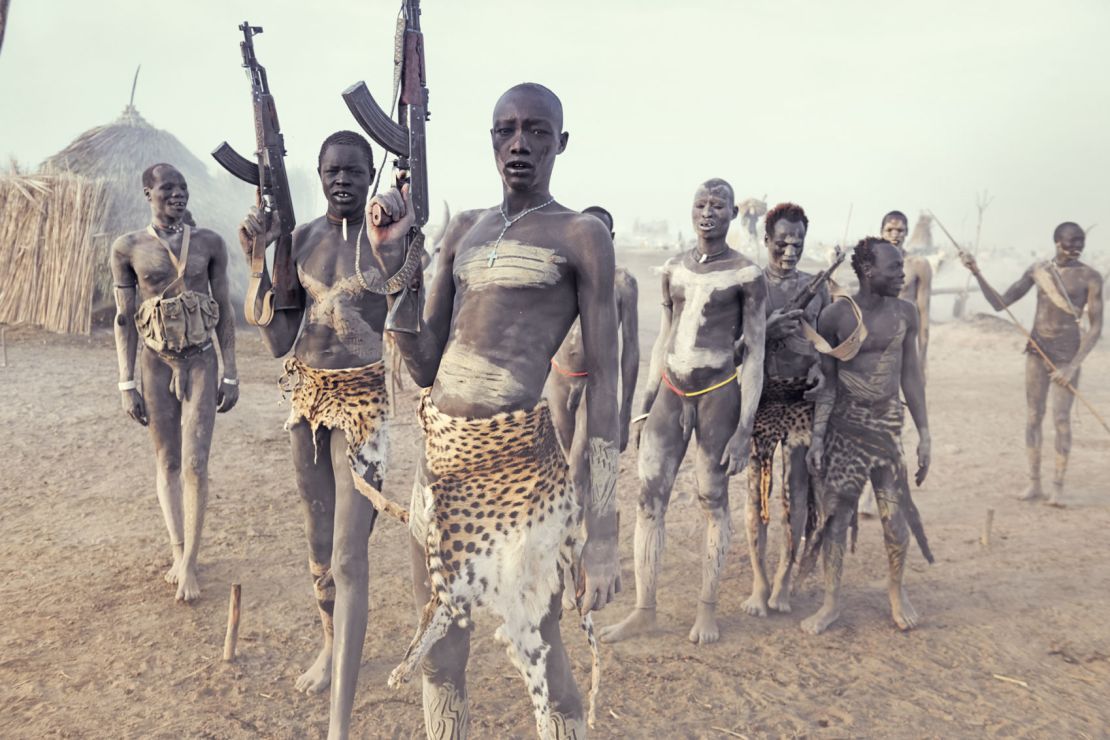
x: 342, y: 197
x: 518, y: 168
x: 178, y: 205
x: 707, y: 225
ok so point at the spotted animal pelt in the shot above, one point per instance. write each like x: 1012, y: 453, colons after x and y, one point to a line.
x: 355, y: 401
x: 503, y: 525
x: 784, y: 417
x: 862, y: 437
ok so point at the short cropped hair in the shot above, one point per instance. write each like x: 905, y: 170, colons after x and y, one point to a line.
x: 543, y: 91
x: 864, y: 254
x: 715, y: 182
x: 348, y: 138
x: 784, y: 212
x: 894, y: 215
x: 148, y: 173
x: 1059, y: 232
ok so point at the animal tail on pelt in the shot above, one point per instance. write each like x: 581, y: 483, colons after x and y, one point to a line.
x: 913, y: 519
x: 570, y: 565
x: 380, y: 502
x: 595, y: 667
x: 434, y: 621
x: 436, y: 618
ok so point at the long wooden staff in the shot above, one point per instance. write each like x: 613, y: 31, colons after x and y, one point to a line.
x: 1032, y: 342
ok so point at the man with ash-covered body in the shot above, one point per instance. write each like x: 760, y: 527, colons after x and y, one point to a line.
x: 713, y: 297
x: 567, y: 382
x: 792, y: 378
x: 917, y: 290
x: 494, y: 518
x: 170, y: 262
x: 1065, y: 287
x: 336, y: 380
x: 857, y: 428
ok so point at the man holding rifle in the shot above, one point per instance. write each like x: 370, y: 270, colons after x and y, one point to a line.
x: 336, y: 379
x: 497, y: 518
x: 791, y: 378
x: 1065, y: 287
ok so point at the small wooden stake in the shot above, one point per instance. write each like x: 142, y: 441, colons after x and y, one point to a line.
x: 232, y: 636
x: 985, y: 538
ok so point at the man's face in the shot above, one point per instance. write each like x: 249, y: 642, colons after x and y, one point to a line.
x: 345, y: 177
x: 894, y: 231
x: 785, y: 244
x: 887, y: 274
x: 1070, y: 246
x: 527, y: 135
x: 713, y: 211
x: 168, y: 196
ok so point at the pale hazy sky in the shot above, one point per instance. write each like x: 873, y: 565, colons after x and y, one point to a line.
x: 871, y: 102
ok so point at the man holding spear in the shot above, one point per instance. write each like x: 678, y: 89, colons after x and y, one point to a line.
x: 1057, y: 346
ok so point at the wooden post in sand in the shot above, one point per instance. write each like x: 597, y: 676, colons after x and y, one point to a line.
x: 232, y: 636
x: 985, y: 538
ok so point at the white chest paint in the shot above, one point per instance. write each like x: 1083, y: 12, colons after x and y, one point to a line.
x: 686, y: 355
x: 466, y: 375
x: 335, y: 306
x: 513, y: 265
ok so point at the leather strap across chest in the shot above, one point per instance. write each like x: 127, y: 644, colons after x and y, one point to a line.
x: 847, y: 349
x: 179, y: 262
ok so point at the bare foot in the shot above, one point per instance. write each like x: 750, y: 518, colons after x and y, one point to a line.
x: 780, y: 599
x: 642, y: 619
x: 905, y: 616
x: 318, y: 677
x: 821, y: 620
x: 171, y: 574
x: 188, y: 588
x: 705, y: 630
x: 1057, y: 498
x: 756, y: 605
x: 1032, y: 493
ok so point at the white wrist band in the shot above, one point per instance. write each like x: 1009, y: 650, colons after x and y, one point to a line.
x: 231, y: 381
x: 128, y: 385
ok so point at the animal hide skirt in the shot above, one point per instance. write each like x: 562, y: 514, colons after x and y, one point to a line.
x: 353, y: 400
x: 499, y: 521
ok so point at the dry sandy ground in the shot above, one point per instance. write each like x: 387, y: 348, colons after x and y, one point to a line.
x: 93, y: 645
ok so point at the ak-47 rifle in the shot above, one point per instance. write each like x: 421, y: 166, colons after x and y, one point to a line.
x: 404, y: 138
x: 802, y: 299
x: 267, y: 174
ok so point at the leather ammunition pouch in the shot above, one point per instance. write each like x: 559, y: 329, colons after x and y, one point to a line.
x: 173, y: 324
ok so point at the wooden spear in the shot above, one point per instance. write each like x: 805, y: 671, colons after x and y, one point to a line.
x: 1032, y: 342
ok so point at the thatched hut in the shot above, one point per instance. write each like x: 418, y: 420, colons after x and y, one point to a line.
x: 57, y: 225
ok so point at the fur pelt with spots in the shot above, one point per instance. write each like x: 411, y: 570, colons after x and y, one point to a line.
x: 353, y: 400
x: 503, y: 524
